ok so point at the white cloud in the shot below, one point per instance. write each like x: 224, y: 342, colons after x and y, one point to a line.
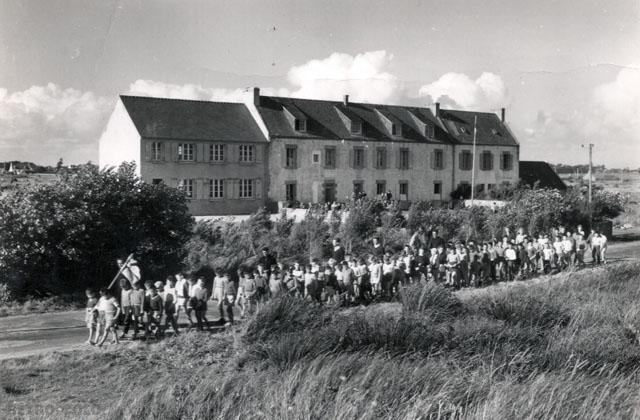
x: 618, y: 103
x: 610, y: 120
x: 43, y: 123
x: 143, y: 87
x: 487, y: 92
x: 364, y: 77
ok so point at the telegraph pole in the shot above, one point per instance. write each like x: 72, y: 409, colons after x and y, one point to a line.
x: 590, y: 146
x: 473, y: 159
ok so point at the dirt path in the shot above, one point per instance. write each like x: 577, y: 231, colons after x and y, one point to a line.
x: 27, y: 335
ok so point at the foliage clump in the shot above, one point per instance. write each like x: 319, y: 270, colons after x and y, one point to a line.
x: 67, y: 235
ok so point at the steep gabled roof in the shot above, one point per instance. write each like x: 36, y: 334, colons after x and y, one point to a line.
x: 324, y: 120
x: 192, y: 120
x: 490, y: 130
x: 532, y: 172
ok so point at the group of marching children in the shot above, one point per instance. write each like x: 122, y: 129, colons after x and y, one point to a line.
x: 380, y: 273
x: 377, y: 273
x: 150, y: 308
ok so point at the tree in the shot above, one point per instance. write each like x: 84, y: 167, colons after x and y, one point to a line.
x: 67, y: 235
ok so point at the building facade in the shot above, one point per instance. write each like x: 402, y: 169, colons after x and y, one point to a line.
x: 215, y: 152
x: 233, y: 158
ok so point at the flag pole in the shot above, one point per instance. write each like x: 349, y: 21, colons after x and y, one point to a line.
x: 473, y: 159
x: 122, y: 267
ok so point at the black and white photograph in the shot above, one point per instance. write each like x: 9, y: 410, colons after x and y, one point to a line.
x: 319, y: 209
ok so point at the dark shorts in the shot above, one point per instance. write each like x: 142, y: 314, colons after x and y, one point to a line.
x: 132, y: 310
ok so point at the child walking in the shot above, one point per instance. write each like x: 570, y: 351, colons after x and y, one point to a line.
x: 109, y: 311
x: 91, y: 317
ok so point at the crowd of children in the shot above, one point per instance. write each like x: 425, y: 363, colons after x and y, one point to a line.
x: 376, y: 274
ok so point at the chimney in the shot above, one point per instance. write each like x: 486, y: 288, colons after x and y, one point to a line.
x: 503, y: 111
x: 345, y: 100
x: 437, y: 109
x: 256, y: 96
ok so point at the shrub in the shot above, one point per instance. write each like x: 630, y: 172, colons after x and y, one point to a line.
x: 67, y: 235
x: 526, y: 308
x: 438, y: 301
x: 284, y: 315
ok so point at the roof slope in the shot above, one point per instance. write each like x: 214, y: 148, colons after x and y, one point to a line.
x: 324, y: 120
x: 490, y: 129
x: 192, y: 120
x: 541, y: 172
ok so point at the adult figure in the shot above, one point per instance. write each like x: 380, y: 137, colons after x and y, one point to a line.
x: 338, y: 250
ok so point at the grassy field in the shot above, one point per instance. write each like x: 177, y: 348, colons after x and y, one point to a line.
x: 559, y: 347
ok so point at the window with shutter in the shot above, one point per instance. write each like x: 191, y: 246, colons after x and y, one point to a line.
x: 156, y: 151
x: 186, y: 152
x: 291, y: 157
x: 486, y: 161
x: 246, y: 153
x: 358, y: 157
x: 438, y: 159
x: 506, y: 161
x: 404, y: 189
x: 465, y: 160
x: 216, y: 153
x: 215, y: 188
x: 404, y: 158
x: 330, y: 157
x: 381, y: 157
x: 291, y: 191
x: 246, y: 188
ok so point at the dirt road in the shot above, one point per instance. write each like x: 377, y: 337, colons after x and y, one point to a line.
x: 26, y: 335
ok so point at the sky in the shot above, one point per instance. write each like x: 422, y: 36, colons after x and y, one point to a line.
x: 567, y: 71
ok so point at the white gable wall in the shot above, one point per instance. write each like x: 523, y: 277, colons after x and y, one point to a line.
x: 120, y: 141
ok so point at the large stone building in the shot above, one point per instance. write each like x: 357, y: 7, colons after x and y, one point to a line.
x: 230, y: 158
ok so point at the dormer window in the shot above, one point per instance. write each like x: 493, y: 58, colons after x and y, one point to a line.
x: 296, y: 117
x: 394, y: 130
x: 300, y: 125
x: 351, y: 119
x: 429, y: 130
x: 356, y: 127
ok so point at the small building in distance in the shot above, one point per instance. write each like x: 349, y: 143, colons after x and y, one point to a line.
x: 540, y: 173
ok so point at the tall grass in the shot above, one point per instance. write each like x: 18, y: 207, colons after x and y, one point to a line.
x: 563, y: 348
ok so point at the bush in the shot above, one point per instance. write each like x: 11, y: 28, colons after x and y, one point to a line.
x: 524, y: 307
x: 67, y: 235
x: 284, y: 315
x: 441, y: 303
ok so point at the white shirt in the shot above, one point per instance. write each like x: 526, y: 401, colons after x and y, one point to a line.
x: 376, y: 273
x: 387, y: 268
x: 107, y: 305
x: 510, y: 254
x: 180, y: 286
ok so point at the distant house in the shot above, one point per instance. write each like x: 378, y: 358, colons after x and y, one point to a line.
x: 532, y: 172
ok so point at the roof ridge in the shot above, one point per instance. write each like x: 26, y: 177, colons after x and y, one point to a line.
x: 339, y: 102
x: 182, y: 100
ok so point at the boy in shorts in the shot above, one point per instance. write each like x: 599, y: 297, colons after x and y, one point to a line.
x: 136, y: 300
x: 156, y: 307
x: 108, y: 310
x: 169, y: 300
